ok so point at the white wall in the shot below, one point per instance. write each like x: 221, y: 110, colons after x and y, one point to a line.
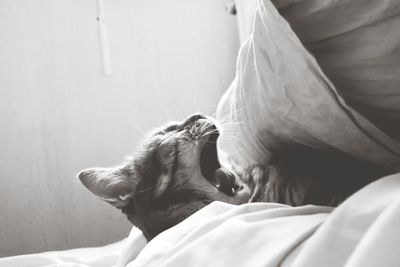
x: 58, y: 114
x: 246, y: 9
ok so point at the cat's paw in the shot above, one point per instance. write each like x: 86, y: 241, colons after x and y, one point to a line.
x: 259, y: 174
x: 256, y: 177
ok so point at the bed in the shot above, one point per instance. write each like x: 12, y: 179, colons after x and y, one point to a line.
x: 322, y: 74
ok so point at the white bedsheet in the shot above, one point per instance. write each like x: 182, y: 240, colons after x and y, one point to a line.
x: 363, y: 231
x: 106, y: 256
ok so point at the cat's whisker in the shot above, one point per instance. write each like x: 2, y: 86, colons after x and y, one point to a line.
x: 166, y: 112
x: 145, y: 190
x: 210, y: 132
x: 230, y: 137
x: 186, y: 110
x: 205, y: 126
x: 232, y: 115
x: 199, y: 103
x: 136, y: 128
x: 204, y: 135
x: 226, y: 133
x: 229, y: 120
x: 231, y: 127
x: 228, y: 127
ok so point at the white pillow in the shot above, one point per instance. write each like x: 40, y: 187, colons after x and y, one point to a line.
x: 357, y: 45
x: 281, y: 98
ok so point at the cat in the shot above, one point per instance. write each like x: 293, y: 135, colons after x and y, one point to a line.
x: 176, y: 172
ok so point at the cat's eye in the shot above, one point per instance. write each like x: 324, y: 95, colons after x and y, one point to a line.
x: 171, y: 128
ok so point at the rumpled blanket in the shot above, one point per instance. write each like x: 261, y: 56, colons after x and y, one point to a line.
x: 363, y: 231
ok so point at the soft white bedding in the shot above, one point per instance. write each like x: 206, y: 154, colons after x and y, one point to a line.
x: 363, y: 231
x: 106, y: 256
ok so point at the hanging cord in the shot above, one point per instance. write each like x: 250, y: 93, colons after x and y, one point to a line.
x: 231, y: 8
x: 103, y: 39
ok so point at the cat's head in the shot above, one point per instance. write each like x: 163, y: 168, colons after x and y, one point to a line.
x: 175, y: 173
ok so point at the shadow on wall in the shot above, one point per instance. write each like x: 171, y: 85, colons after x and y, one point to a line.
x: 60, y: 115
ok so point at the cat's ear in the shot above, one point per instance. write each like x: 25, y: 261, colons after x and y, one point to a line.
x: 110, y: 184
x: 162, y: 184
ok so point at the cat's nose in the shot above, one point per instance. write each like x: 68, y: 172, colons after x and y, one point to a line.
x: 85, y: 174
x: 194, y: 117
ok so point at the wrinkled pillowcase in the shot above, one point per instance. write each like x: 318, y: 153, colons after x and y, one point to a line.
x: 280, y: 97
x: 357, y: 45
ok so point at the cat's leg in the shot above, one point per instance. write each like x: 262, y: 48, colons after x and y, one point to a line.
x: 259, y: 179
x: 256, y: 178
x: 267, y: 184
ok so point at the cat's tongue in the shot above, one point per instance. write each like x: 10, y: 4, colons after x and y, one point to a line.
x: 225, y: 181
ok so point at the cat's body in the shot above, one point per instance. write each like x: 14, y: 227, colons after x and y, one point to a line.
x: 177, y: 172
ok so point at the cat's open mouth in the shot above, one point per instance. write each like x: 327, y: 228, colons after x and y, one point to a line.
x: 211, y: 169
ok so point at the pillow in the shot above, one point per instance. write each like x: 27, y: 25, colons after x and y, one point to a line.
x: 357, y: 44
x: 280, y: 98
